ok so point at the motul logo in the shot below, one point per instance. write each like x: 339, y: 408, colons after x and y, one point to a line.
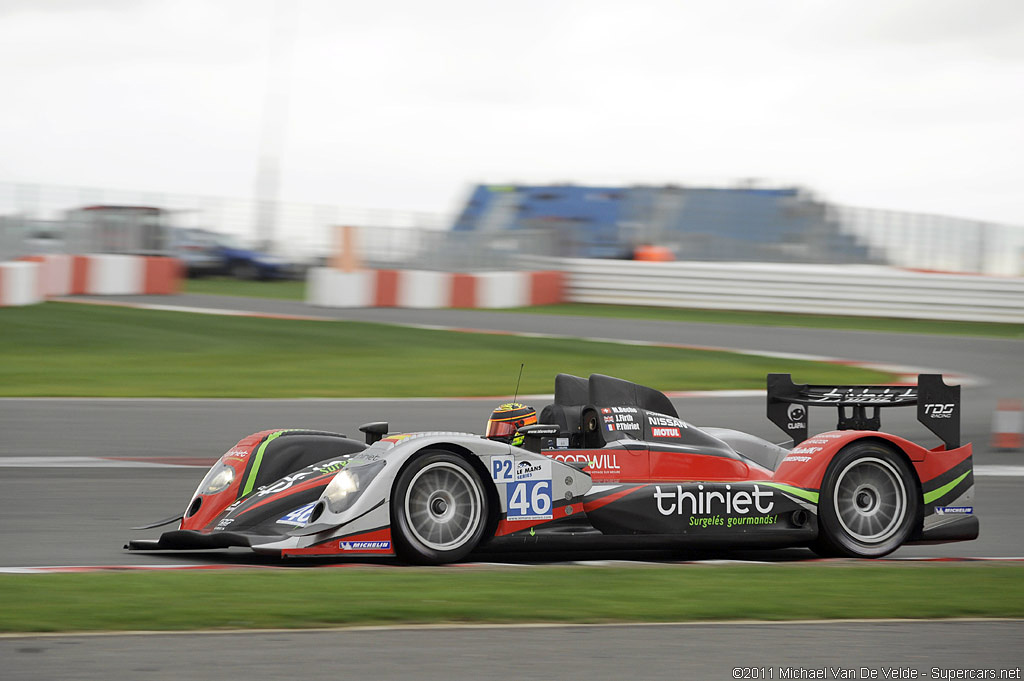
x: 665, y: 432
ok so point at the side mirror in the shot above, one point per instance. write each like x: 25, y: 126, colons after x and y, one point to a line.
x: 374, y: 431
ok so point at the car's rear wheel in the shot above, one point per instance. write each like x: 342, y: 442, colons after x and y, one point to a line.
x: 438, y: 510
x: 869, y: 502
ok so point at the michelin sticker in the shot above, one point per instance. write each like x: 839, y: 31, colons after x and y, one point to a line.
x: 954, y: 510
x: 527, y: 486
x: 365, y: 546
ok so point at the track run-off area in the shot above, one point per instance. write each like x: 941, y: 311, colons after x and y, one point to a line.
x: 77, y: 474
x: 81, y: 472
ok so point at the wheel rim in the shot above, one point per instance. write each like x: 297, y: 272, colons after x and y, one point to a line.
x: 870, y: 500
x: 443, y: 505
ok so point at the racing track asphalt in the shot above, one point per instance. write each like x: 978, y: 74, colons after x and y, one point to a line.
x: 67, y: 515
x: 85, y: 512
x: 704, y: 651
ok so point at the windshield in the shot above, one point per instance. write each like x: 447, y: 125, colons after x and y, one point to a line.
x: 230, y: 241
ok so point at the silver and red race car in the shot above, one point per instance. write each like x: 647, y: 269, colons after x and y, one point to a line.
x: 609, y: 464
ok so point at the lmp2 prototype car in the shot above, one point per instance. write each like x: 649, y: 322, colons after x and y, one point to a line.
x: 609, y: 460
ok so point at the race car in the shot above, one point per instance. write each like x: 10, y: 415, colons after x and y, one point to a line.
x: 609, y: 464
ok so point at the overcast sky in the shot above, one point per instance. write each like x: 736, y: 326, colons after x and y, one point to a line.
x: 912, y: 105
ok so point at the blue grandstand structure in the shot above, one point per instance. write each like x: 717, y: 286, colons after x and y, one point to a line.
x: 696, y: 223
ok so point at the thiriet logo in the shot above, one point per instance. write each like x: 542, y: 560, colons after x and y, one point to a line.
x: 707, y: 502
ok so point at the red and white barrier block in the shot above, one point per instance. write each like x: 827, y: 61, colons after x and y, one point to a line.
x: 107, y: 274
x: 427, y: 289
x: 20, y: 284
x: 1008, y: 426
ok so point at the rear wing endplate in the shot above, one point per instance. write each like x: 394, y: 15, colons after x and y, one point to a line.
x: 938, y: 405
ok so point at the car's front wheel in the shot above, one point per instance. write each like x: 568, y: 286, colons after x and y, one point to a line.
x: 438, y: 509
x: 869, y: 502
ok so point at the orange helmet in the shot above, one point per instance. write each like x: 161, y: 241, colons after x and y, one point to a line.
x: 506, y: 421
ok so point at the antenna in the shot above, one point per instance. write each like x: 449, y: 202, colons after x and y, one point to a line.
x: 521, y: 365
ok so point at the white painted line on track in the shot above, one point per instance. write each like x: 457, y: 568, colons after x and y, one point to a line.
x: 224, y: 312
x: 995, y: 471
x: 65, y: 569
x: 521, y: 625
x: 329, y: 400
x: 90, y: 462
x: 985, y: 470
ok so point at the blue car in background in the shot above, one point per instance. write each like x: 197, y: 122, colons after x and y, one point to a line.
x: 242, y: 262
x: 197, y: 250
x: 205, y: 253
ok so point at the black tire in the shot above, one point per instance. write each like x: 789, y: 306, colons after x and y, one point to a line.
x: 869, y: 503
x: 439, y: 509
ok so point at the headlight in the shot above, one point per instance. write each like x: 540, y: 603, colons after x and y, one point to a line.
x: 342, y: 491
x: 218, y: 479
x: 343, y: 484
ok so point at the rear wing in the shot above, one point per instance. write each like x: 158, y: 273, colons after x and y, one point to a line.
x: 938, y: 405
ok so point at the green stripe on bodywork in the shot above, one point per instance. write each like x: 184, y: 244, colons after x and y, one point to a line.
x: 929, y: 497
x: 256, y: 463
x: 795, y: 491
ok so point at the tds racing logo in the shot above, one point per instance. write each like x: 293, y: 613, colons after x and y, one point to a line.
x: 939, y: 411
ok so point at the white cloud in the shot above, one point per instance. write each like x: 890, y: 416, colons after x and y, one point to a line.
x: 403, y: 104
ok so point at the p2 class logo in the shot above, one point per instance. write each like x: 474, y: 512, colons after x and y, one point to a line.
x: 797, y: 415
x: 503, y: 468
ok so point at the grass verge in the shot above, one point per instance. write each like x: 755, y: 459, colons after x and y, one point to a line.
x: 228, y: 286
x: 892, y: 325
x: 347, y: 597
x: 67, y: 349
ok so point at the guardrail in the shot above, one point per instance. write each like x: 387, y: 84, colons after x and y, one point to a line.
x: 863, y: 290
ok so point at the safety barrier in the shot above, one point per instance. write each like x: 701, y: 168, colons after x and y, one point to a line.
x: 37, y: 277
x: 1008, y: 426
x: 862, y: 290
x: 329, y: 287
x: 20, y: 284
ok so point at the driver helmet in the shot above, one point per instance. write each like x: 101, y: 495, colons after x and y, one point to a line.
x: 506, y: 421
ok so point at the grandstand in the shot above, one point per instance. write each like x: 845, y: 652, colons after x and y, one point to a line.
x: 696, y: 223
